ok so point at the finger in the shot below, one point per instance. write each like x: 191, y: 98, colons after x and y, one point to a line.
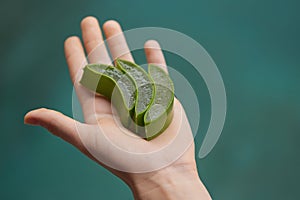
x: 56, y: 123
x: 76, y: 61
x: 75, y: 56
x: 93, y: 41
x: 97, y: 53
x: 116, y: 41
x: 61, y: 126
x: 154, y: 54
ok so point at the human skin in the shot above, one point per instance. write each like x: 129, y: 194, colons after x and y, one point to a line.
x: 179, y: 179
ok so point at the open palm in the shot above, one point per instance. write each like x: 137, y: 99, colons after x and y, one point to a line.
x: 100, y: 137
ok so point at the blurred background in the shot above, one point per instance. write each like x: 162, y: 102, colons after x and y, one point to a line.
x: 254, y: 43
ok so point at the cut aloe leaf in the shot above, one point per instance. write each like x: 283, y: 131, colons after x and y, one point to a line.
x: 145, y: 91
x: 146, y: 98
x: 159, y: 115
x: 113, y: 84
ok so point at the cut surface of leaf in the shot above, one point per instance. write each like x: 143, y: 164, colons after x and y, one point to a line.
x: 145, y: 89
x: 113, y: 84
x: 159, y: 115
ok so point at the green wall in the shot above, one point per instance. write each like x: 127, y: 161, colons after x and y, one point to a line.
x: 255, y: 45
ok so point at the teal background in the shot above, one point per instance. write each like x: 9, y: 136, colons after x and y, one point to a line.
x: 255, y: 45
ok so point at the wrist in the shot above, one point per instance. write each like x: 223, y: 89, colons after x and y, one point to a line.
x: 173, y: 182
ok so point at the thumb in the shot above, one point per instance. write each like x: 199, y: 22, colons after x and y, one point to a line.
x: 56, y: 123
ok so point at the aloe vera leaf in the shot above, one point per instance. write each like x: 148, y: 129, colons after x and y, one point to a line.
x: 159, y: 115
x: 113, y: 84
x: 145, y: 90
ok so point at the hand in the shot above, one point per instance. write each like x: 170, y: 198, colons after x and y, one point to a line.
x: 175, y: 177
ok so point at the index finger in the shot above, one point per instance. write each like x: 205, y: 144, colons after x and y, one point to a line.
x: 75, y: 56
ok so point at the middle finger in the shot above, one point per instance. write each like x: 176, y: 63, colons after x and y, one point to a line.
x: 93, y: 41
